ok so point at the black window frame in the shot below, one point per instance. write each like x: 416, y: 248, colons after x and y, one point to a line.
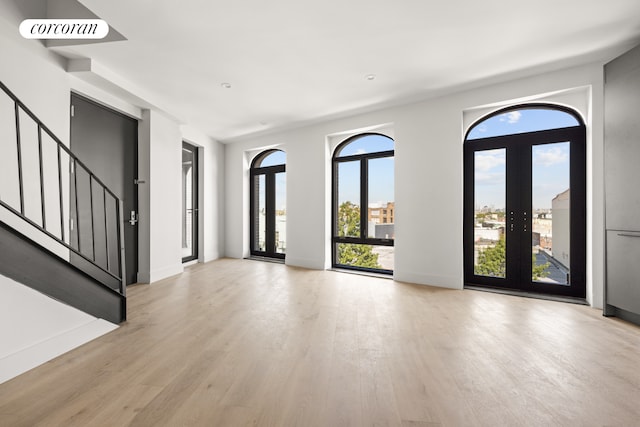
x: 364, y: 202
x: 195, y: 207
x: 520, y: 145
x: 270, y: 187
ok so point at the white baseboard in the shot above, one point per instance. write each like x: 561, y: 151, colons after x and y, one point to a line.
x: 429, y: 280
x: 163, y: 273
x: 160, y: 273
x: 310, y: 264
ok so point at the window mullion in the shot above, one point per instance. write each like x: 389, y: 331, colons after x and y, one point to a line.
x: 334, y: 201
x: 364, y: 198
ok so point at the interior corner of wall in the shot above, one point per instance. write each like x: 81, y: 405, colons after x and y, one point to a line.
x: 448, y: 282
x: 311, y: 264
x: 164, y: 272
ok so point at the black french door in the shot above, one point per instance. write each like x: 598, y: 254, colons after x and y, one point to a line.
x: 189, y: 202
x: 268, y: 234
x: 525, y: 212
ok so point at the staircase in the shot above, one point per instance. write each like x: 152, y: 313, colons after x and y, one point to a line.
x: 61, y: 228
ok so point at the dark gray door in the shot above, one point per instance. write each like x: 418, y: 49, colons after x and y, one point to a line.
x: 107, y: 143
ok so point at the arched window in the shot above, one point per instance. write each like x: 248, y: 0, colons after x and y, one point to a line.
x: 523, y: 119
x: 269, y: 204
x: 363, y: 203
x: 525, y: 201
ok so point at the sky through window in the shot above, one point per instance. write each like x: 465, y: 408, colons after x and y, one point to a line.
x: 521, y: 121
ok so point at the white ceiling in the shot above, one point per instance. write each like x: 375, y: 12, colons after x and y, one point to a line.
x: 291, y: 62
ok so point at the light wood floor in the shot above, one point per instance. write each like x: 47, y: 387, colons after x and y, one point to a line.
x: 237, y: 342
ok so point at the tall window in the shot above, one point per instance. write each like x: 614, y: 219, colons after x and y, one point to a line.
x: 363, y: 203
x: 525, y: 201
x: 269, y: 204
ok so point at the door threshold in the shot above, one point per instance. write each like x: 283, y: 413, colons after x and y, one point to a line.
x: 266, y: 259
x: 557, y: 298
x: 362, y: 272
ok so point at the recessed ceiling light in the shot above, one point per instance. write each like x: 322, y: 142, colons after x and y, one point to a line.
x: 371, y: 76
x: 226, y: 85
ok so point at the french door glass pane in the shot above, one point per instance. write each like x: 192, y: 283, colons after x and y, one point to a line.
x: 349, y: 199
x: 281, y: 212
x: 550, y: 220
x: 489, y: 213
x: 259, y: 216
x: 381, y: 209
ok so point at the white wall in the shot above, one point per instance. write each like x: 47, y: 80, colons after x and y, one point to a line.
x: 34, y: 74
x: 35, y: 328
x: 36, y: 77
x: 210, y: 192
x: 159, y: 197
x: 429, y: 176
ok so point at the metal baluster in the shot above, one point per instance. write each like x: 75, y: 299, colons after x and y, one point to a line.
x: 17, y: 112
x: 120, y: 239
x: 75, y: 191
x: 42, y: 204
x: 93, y: 234
x: 60, y: 194
x: 106, y: 229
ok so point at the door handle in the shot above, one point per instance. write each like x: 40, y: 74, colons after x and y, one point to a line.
x: 512, y: 221
x: 133, y: 219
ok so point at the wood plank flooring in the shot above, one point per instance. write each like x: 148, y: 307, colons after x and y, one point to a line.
x: 239, y: 342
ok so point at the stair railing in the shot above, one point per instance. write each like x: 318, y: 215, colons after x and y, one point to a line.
x: 48, y: 187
